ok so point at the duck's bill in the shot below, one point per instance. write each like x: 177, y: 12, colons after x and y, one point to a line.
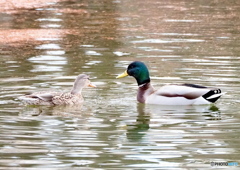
x: 124, y: 74
x: 91, y: 85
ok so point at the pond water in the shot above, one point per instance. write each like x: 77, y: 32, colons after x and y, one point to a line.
x: 46, y: 46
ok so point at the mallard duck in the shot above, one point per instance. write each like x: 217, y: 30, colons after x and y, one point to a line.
x: 58, y: 98
x: 172, y: 94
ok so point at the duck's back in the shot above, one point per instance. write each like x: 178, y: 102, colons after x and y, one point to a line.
x: 67, y: 99
x: 51, y: 98
x: 183, y: 94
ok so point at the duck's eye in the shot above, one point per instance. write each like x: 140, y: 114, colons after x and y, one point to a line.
x: 130, y: 67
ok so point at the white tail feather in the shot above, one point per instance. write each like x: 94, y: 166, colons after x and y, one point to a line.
x: 216, y: 95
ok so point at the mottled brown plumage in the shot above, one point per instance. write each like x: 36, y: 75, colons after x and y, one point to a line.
x: 58, y: 98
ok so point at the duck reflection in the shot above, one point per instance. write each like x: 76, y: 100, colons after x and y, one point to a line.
x: 135, y: 131
x: 157, y: 115
x: 61, y: 111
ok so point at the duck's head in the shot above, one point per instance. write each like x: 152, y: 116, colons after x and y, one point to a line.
x: 81, y: 82
x: 139, y: 71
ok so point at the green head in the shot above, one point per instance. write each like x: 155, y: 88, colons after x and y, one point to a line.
x: 139, y: 71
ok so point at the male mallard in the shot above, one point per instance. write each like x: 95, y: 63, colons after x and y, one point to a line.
x: 172, y: 94
x: 58, y: 98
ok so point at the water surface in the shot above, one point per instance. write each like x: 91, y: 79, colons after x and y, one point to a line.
x: 47, y: 46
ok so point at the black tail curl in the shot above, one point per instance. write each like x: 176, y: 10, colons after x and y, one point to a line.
x: 210, y: 93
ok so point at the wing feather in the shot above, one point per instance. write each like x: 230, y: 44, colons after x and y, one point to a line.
x: 45, y: 97
x: 187, y: 91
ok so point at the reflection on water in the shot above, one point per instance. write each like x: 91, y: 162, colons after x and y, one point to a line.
x: 136, y: 131
x: 182, y: 42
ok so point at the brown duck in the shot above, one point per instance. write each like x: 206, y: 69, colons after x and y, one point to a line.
x: 59, y: 98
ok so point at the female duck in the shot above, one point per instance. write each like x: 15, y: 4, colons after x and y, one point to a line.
x: 58, y: 98
x: 172, y: 94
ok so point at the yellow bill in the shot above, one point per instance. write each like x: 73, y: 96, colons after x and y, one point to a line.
x: 124, y: 74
